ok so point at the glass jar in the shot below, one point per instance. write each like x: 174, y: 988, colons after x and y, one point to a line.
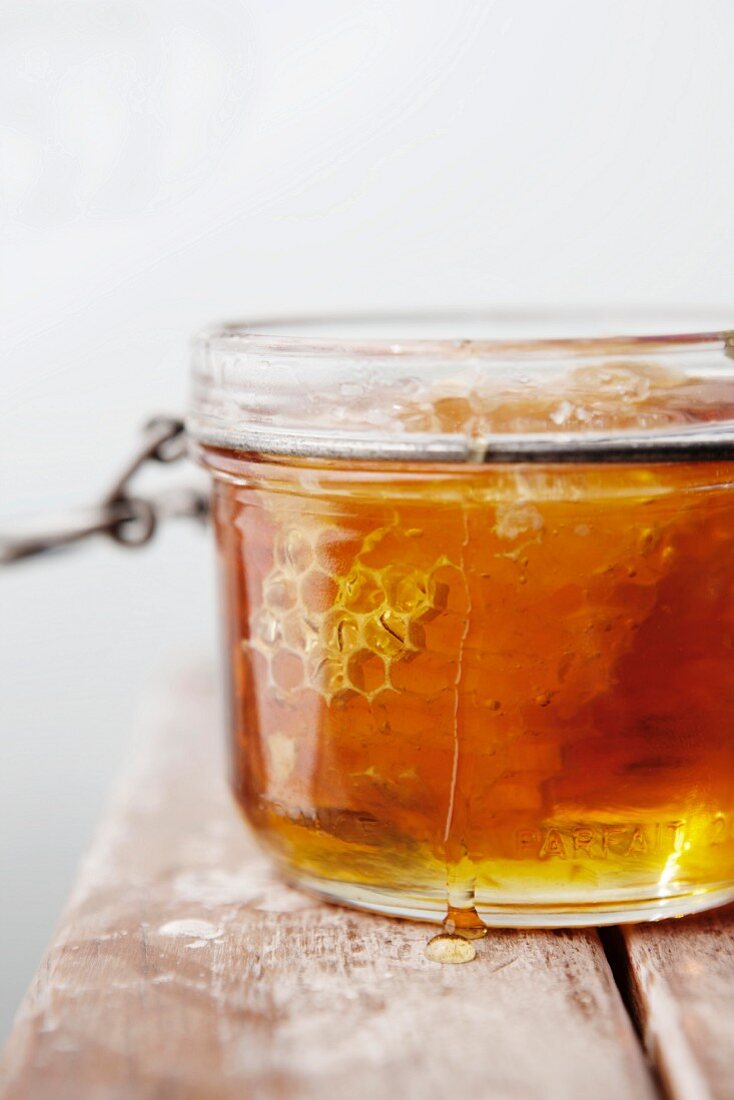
x: 479, y: 606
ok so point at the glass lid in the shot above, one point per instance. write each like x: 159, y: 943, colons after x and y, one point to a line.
x: 470, y: 387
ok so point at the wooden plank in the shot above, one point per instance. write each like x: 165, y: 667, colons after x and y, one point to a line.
x: 183, y: 968
x: 682, y: 974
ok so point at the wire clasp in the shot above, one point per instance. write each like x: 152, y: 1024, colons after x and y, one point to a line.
x: 130, y: 519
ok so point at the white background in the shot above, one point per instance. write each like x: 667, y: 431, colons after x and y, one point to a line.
x: 166, y: 163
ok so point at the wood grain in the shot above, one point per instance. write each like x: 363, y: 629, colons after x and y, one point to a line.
x: 182, y: 968
x: 682, y: 975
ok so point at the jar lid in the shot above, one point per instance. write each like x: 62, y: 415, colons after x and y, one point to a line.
x: 449, y: 387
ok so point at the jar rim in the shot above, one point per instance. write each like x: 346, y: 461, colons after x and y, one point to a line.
x: 586, y: 330
x: 337, y: 388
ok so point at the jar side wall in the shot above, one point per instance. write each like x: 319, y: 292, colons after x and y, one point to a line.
x: 513, y: 687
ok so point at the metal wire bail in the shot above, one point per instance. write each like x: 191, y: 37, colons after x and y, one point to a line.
x: 129, y: 519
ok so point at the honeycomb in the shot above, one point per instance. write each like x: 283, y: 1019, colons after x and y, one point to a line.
x: 340, y: 632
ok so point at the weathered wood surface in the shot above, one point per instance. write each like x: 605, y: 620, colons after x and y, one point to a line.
x: 182, y: 968
x: 682, y: 981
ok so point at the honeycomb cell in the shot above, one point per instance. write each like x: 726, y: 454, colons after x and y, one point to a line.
x: 385, y: 634
x: 316, y: 591
x: 328, y: 677
x: 407, y: 593
x: 293, y: 551
x: 367, y: 673
x: 361, y: 591
x: 266, y: 630
x: 335, y: 550
x: 341, y: 632
x: 299, y: 632
x: 287, y: 670
x: 515, y: 519
x: 280, y: 592
x: 453, y: 412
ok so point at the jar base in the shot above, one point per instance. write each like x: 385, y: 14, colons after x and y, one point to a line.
x: 516, y: 913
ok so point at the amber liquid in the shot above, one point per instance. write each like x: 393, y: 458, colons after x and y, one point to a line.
x: 502, y: 687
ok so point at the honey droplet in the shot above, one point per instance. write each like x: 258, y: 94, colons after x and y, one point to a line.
x: 445, y: 948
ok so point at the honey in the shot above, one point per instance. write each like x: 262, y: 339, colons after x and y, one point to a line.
x: 506, y: 688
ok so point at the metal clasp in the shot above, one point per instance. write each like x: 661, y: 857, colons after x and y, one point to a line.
x: 128, y: 518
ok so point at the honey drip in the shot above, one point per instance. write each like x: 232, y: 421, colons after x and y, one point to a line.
x: 464, y: 922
